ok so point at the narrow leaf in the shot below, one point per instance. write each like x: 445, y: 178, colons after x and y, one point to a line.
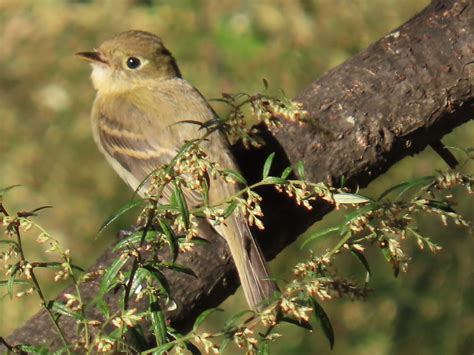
x: 274, y: 180
x: 158, y: 321
x: 15, y: 282
x: 121, y: 211
x: 182, y: 205
x: 230, y: 322
x: 4, y: 190
x: 194, y: 241
x: 109, y: 279
x: 134, y: 240
x: 236, y: 176
x: 203, y: 316
x: 303, y: 324
x: 267, y: 166
x: 7, y: 241
x: 230, y: 209
x: 318, y: 234
x: 286, y: 172
x: 193, y: 349
x: 341, y: 242
x: 61, y: 309
x: 300, y: 170
x: 158, y: 276
x: 224, y: 343
x: 324, y: 322
x: 350, y: 199
x: 363, y: 260
x: 179, y: 268
x: 163, y: 349
x: 405, y: 186
x: 170, y: 236
x: 263, y: 349
x: 11, y: 279
x: 360, y: 212
x: 33, y: 349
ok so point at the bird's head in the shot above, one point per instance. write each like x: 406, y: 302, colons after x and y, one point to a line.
x: 130, y: 59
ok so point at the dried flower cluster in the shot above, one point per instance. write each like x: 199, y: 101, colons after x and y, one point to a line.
x: 273, y: 111
x: 269, y: 110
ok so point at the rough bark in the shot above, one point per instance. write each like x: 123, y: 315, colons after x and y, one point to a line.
x: 402, y: 93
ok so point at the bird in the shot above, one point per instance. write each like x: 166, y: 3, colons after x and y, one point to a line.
x: 141, y: 96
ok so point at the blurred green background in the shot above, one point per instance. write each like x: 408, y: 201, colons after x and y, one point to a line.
x: 221, y: 46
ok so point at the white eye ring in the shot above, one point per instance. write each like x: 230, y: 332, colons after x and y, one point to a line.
x: 135, y: 63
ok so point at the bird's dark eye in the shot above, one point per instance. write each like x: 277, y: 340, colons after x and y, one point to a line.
x: 133, y: 63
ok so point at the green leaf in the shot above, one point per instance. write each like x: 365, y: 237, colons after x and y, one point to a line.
x: 140, y: 275
x: 136, y: 336
x: 300, y: 170
x: 343, y: 181
x: 102, y: 306
x: 134, y: 240
x: 274, y: 180
x: 236, y: 176
x: 341, y: 242
x: 224, y: 343
x: 33, y: 349
x: 18, y: 282
x: 11, y: 279
x: 121, y: 211
x: 203, y: 316
x: 158, y: 321
x: 440, y: 205
x: 179, y: 268
x: 267, y: 166
x: 359, y: 212
x: 394, y: 262
x: 56, y: 265
x: 194, y: 241
x: 109, y: 278
x: 363, y: 260
x: 26, y: 214
x: 61, y: 309
x: 318, y: 234
x: 7, y: 241
x: 286, y: 172
x: 170, y: 236
x: 406, y: 186
x: 230, y: 322
x: 158, y: 276
x: 350, y: 199
x: 263, y: 349
x: 4, y: 190
x: 182, y: 205
x: 230, y: 209
x: 193, y: 349
x: 160, y: 349
x: 324, y: 321
x: 303, y: 324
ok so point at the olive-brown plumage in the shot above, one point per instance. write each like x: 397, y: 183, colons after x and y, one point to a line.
x: 140, y: 98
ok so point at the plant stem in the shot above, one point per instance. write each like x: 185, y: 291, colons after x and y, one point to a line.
x: 135, y: 265
x: 44, y: 302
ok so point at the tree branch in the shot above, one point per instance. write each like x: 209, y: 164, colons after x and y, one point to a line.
x: 399, y: 95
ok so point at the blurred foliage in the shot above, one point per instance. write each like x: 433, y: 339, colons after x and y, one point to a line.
x: 221, y: 46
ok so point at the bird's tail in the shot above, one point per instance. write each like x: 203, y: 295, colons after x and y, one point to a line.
x: 251, y: 265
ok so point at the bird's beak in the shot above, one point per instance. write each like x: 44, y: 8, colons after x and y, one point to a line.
x: 93, y: 57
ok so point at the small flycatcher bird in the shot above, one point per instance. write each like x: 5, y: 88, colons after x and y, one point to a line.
x: 140, y: 98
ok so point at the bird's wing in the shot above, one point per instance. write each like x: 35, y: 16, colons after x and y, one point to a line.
x: 142, y: 132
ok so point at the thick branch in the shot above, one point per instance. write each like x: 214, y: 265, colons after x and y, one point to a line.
x: 402, y: 93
